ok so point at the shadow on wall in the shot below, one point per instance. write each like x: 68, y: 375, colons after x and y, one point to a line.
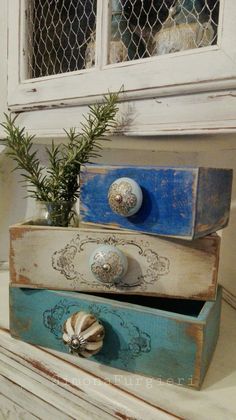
x: 12, y: 203
x: 227, y: 270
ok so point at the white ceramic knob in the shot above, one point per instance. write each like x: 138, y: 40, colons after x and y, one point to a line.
x: 108, y: 264
x: 125, y: 197
x: 83, y: 334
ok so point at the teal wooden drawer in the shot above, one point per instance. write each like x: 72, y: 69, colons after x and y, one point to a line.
x: 177, y: 202
x: 168, y: 339
x: 85, y: 260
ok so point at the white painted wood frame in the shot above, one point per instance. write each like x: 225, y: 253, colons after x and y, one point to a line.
x: 33, y: 385
x: 174, y: 92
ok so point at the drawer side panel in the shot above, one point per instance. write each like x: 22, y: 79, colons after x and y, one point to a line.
x: 211, y: 333
x: 213, y: 199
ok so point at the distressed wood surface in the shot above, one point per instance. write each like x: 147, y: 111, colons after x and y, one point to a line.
x: 177, y: 202
x: 11, y: 411
x: 211, y: 333
x: 199, y: 113
x: 49, y: 379
x: 213, y: 199
x: 22, y: 402
x: 40, y: 397
x: 58, y: 258
x: 165, y: 340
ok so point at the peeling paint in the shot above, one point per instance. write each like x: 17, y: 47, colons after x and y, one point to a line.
x: 195, y: 331
x: 124, y: 416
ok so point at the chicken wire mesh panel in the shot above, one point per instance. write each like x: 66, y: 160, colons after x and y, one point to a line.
x: 58, y: 36
x: 146, y: 28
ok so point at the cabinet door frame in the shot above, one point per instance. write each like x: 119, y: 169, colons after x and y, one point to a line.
x: 196, y: 70
x: 201, y: 107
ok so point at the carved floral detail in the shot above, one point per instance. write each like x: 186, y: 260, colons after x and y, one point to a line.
x: 63, y: 261
x: 121, y: 198
x: 138, y: 342
x: 112, y: 261
x: 52, y: 318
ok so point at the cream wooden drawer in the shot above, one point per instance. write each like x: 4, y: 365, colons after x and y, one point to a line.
x: 60, y: 258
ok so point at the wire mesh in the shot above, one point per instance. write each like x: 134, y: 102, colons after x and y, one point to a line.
x: 58, y: 34
x: 61, y: 34
x: 146, y: 28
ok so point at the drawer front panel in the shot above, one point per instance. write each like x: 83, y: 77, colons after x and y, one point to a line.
x: 60, y: 258
x: 178, y: 202
x: 138, y: 339
x: 168, y: 199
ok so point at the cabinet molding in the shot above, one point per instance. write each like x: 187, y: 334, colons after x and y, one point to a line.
x: 199, y: 113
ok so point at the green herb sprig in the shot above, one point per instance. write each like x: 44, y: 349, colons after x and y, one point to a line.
x: 59, y: 181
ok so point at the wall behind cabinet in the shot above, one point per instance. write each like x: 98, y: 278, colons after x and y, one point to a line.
x: 3, y: 56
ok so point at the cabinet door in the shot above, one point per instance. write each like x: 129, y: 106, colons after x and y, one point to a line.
x: 174, y: 58
x: 71, y: 52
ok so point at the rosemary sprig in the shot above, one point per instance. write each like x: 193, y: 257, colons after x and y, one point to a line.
x: 59, y: 181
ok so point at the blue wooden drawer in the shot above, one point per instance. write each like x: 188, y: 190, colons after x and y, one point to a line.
x: 178, y: 202
x: 162, y: 338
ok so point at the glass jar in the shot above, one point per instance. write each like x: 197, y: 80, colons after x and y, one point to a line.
x: 62, y: 213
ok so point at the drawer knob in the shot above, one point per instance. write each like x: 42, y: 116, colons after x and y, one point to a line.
x: 108, y: 264
x: 125, y: 197
x: 83, y: 334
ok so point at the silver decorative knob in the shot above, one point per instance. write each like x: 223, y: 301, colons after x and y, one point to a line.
x: 125, y: 197
x: 83, y: 334
x: 108, y: 264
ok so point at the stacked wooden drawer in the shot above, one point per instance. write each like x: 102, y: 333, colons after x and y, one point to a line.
x: 155, y: 297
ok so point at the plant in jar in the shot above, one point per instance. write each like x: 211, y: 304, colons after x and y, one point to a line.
x: 56, y: 187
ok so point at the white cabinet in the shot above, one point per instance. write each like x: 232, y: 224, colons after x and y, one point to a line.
x: 62, y: 58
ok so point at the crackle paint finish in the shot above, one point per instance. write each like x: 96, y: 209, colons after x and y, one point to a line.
x: 170, y: 340
x: 178, y: 202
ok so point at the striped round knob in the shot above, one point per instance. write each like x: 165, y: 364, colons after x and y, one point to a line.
x: 125, y: 197
x: 108, y: 264
x: 83, y: 334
